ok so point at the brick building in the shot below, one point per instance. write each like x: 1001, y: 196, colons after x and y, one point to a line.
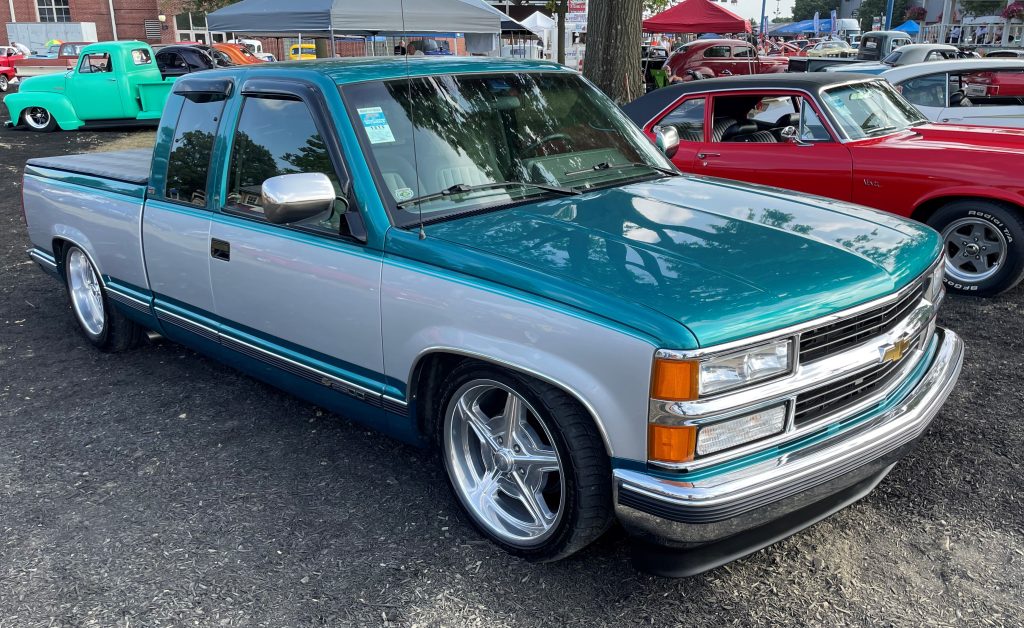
x: 132, y: 19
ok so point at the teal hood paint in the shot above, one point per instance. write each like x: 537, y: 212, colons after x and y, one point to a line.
x: 687, y: 255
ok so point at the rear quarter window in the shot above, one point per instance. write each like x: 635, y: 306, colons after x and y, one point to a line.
x: 141, y: 56
x: 188, y: 164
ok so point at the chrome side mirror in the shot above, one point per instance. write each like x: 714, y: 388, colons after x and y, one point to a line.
x: 293, y: 197
x: 790, y: 135
x: 667, y: 140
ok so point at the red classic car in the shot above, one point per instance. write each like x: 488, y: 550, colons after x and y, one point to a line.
x: 998, y: 84
x: 858, y: 140
x: 707, y: 58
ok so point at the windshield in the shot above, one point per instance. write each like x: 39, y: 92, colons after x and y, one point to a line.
x: 870, y: 109
x: 445, y: 145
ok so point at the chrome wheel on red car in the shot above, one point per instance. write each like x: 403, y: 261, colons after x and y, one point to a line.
x: 982, y: 240
x: 975, y: 250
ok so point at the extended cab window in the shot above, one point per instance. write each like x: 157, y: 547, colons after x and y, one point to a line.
x: 688, y: 119
x: 189, y: 161
x: 717, y: 52
x: 95, y: 62
x: 277, y: 136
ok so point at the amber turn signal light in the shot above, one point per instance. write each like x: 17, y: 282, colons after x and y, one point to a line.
x: 674, y: 380
x: 671, y: 443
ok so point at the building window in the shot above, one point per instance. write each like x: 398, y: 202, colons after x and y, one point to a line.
x: 54, y: 10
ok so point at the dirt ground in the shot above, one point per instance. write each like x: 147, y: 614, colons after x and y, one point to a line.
x: 158, y: 488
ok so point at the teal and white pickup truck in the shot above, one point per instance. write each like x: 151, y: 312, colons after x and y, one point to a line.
x: 113, y: 83
x: 489, y: 258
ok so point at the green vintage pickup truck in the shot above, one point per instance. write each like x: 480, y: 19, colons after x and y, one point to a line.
x: 115, y: 83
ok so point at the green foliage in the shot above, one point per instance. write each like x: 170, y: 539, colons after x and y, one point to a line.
x: 783, y: 20
x: 206, y: 6
x: 655, y: 6
x: 982, y: 7
x: 869, y: 9
x: 805, y: 9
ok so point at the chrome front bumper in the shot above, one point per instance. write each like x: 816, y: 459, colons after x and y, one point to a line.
x: 716, y: 506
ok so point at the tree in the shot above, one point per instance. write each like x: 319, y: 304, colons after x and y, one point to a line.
x: 982, y: 7
x: 870, y: 9
x: 805, y: 9
x: 613, y: 48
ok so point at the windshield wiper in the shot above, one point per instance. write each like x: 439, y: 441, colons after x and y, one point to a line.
x: 462, y: 188
x: 605, y: 165
x: 880, y: 130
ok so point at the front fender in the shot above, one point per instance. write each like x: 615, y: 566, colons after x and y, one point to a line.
x: 605, y: 368
x: 57, y: 104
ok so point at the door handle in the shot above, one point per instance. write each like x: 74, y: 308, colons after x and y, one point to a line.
x: 219, y: 249
x: 111, y: 80
x: 706, y: 155
x: 725, y: 73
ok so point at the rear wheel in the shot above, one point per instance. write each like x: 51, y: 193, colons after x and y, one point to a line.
x: 525, y: 462
x: 39, y: 119
x: 4, y: 83
x: 983, y: 241
x: 104, y: 326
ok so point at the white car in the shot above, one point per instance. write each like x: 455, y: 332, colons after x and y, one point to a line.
x: 960, y: 92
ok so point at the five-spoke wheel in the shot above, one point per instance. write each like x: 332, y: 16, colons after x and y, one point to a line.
x: 504, y: 462
x: 39, y: 119
x: 525, y: 461
x: 982, y: 240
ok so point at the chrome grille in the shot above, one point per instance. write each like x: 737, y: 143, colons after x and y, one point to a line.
x: 839, y: 336
x: 825, y: 400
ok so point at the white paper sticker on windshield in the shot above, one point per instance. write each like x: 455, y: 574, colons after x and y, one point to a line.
x: 377, y: 128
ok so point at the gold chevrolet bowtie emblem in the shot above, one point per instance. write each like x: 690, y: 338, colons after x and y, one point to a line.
x: 895, y: 351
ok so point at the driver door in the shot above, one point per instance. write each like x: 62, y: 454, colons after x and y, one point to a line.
x: 95, y: 90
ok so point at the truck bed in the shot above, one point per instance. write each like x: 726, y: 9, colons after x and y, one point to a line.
x: 127, y: 166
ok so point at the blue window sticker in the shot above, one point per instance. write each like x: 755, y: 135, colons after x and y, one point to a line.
x: 376, y: 124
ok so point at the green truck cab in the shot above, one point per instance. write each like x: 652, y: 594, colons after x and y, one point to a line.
x: 113, y: 83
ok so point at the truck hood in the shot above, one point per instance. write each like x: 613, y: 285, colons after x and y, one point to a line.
x: 721, y: 259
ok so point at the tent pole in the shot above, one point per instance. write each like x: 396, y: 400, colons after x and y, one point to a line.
x: 334, y: 46
x: 300, y: 47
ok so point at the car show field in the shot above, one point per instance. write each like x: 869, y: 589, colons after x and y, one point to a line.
x: 159, y: 488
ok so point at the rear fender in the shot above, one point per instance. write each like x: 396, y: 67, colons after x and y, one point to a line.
x: 57, y: 104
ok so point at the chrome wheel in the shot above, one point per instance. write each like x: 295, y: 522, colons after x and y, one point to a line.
x: 86, y: 294
x: 37, y: 118
x: 503, y: 463
x: 3, y: 83
x: 975, y: 249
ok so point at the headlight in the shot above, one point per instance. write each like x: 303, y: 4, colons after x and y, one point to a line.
x: 745, y: 367
x: 684, y: 380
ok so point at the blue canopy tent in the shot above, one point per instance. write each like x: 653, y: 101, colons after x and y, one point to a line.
x: 909, y: 27
x: 800, y: 28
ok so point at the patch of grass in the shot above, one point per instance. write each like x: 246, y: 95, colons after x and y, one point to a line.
x: 127, y: 140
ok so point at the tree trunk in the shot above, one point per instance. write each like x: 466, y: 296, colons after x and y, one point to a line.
x: 612, y: 60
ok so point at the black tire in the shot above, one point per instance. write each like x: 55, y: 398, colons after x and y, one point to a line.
x: 4, y: 83
x: 1002, y: 223
x: 118, y: 333
x: 587, y: 500
x: 46, y: 123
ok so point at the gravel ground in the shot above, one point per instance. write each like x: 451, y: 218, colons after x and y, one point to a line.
x: 157, y: 488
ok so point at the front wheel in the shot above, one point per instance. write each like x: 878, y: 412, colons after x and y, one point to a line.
x: 39, y: 119
x: 983, y: 241
x: 4, y: 83
x: 104, y: 326
x: 525, y: 462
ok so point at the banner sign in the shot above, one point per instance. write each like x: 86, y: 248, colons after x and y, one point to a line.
x: 576, y: 13
x: 835, y: 22
x: 817, y: 23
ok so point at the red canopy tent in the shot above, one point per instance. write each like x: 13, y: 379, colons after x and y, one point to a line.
x: 697, y: 16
